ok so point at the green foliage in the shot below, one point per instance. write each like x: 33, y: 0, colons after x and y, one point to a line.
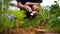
x: 43, y: 12
x: 5, y: 22
x: 0, y: 9
x: 54, y: 22
x: 20, y: 14
x: 30, y: 22
x: 54, y: 8
x: 36, y: 21
x: 51, y: 21
x: 56, y: 26
x: 1, y: 25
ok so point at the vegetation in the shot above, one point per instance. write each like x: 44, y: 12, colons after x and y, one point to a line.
x: 54, y: 18
x: 47, y: 18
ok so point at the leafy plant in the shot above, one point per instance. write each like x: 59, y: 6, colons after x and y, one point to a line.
x: 53, y: 23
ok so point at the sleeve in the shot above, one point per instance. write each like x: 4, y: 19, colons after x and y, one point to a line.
x: 40, y: 1
x: 18, y: 0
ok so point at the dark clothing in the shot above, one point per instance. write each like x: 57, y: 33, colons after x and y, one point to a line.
x: 24, y: 1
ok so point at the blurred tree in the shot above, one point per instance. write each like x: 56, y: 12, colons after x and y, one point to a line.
x: 54, y: 7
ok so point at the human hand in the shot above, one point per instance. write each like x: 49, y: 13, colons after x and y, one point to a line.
x: 28, y: 8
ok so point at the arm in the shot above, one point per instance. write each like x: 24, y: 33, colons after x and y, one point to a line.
x: 27, y: 8
x: 19, y: 5
x: 31, y: 3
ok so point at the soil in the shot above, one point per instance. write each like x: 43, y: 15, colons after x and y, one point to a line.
x: 22, y: 31
x: 30, y: 30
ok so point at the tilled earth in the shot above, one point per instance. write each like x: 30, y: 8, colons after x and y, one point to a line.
x: 30, y: 31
